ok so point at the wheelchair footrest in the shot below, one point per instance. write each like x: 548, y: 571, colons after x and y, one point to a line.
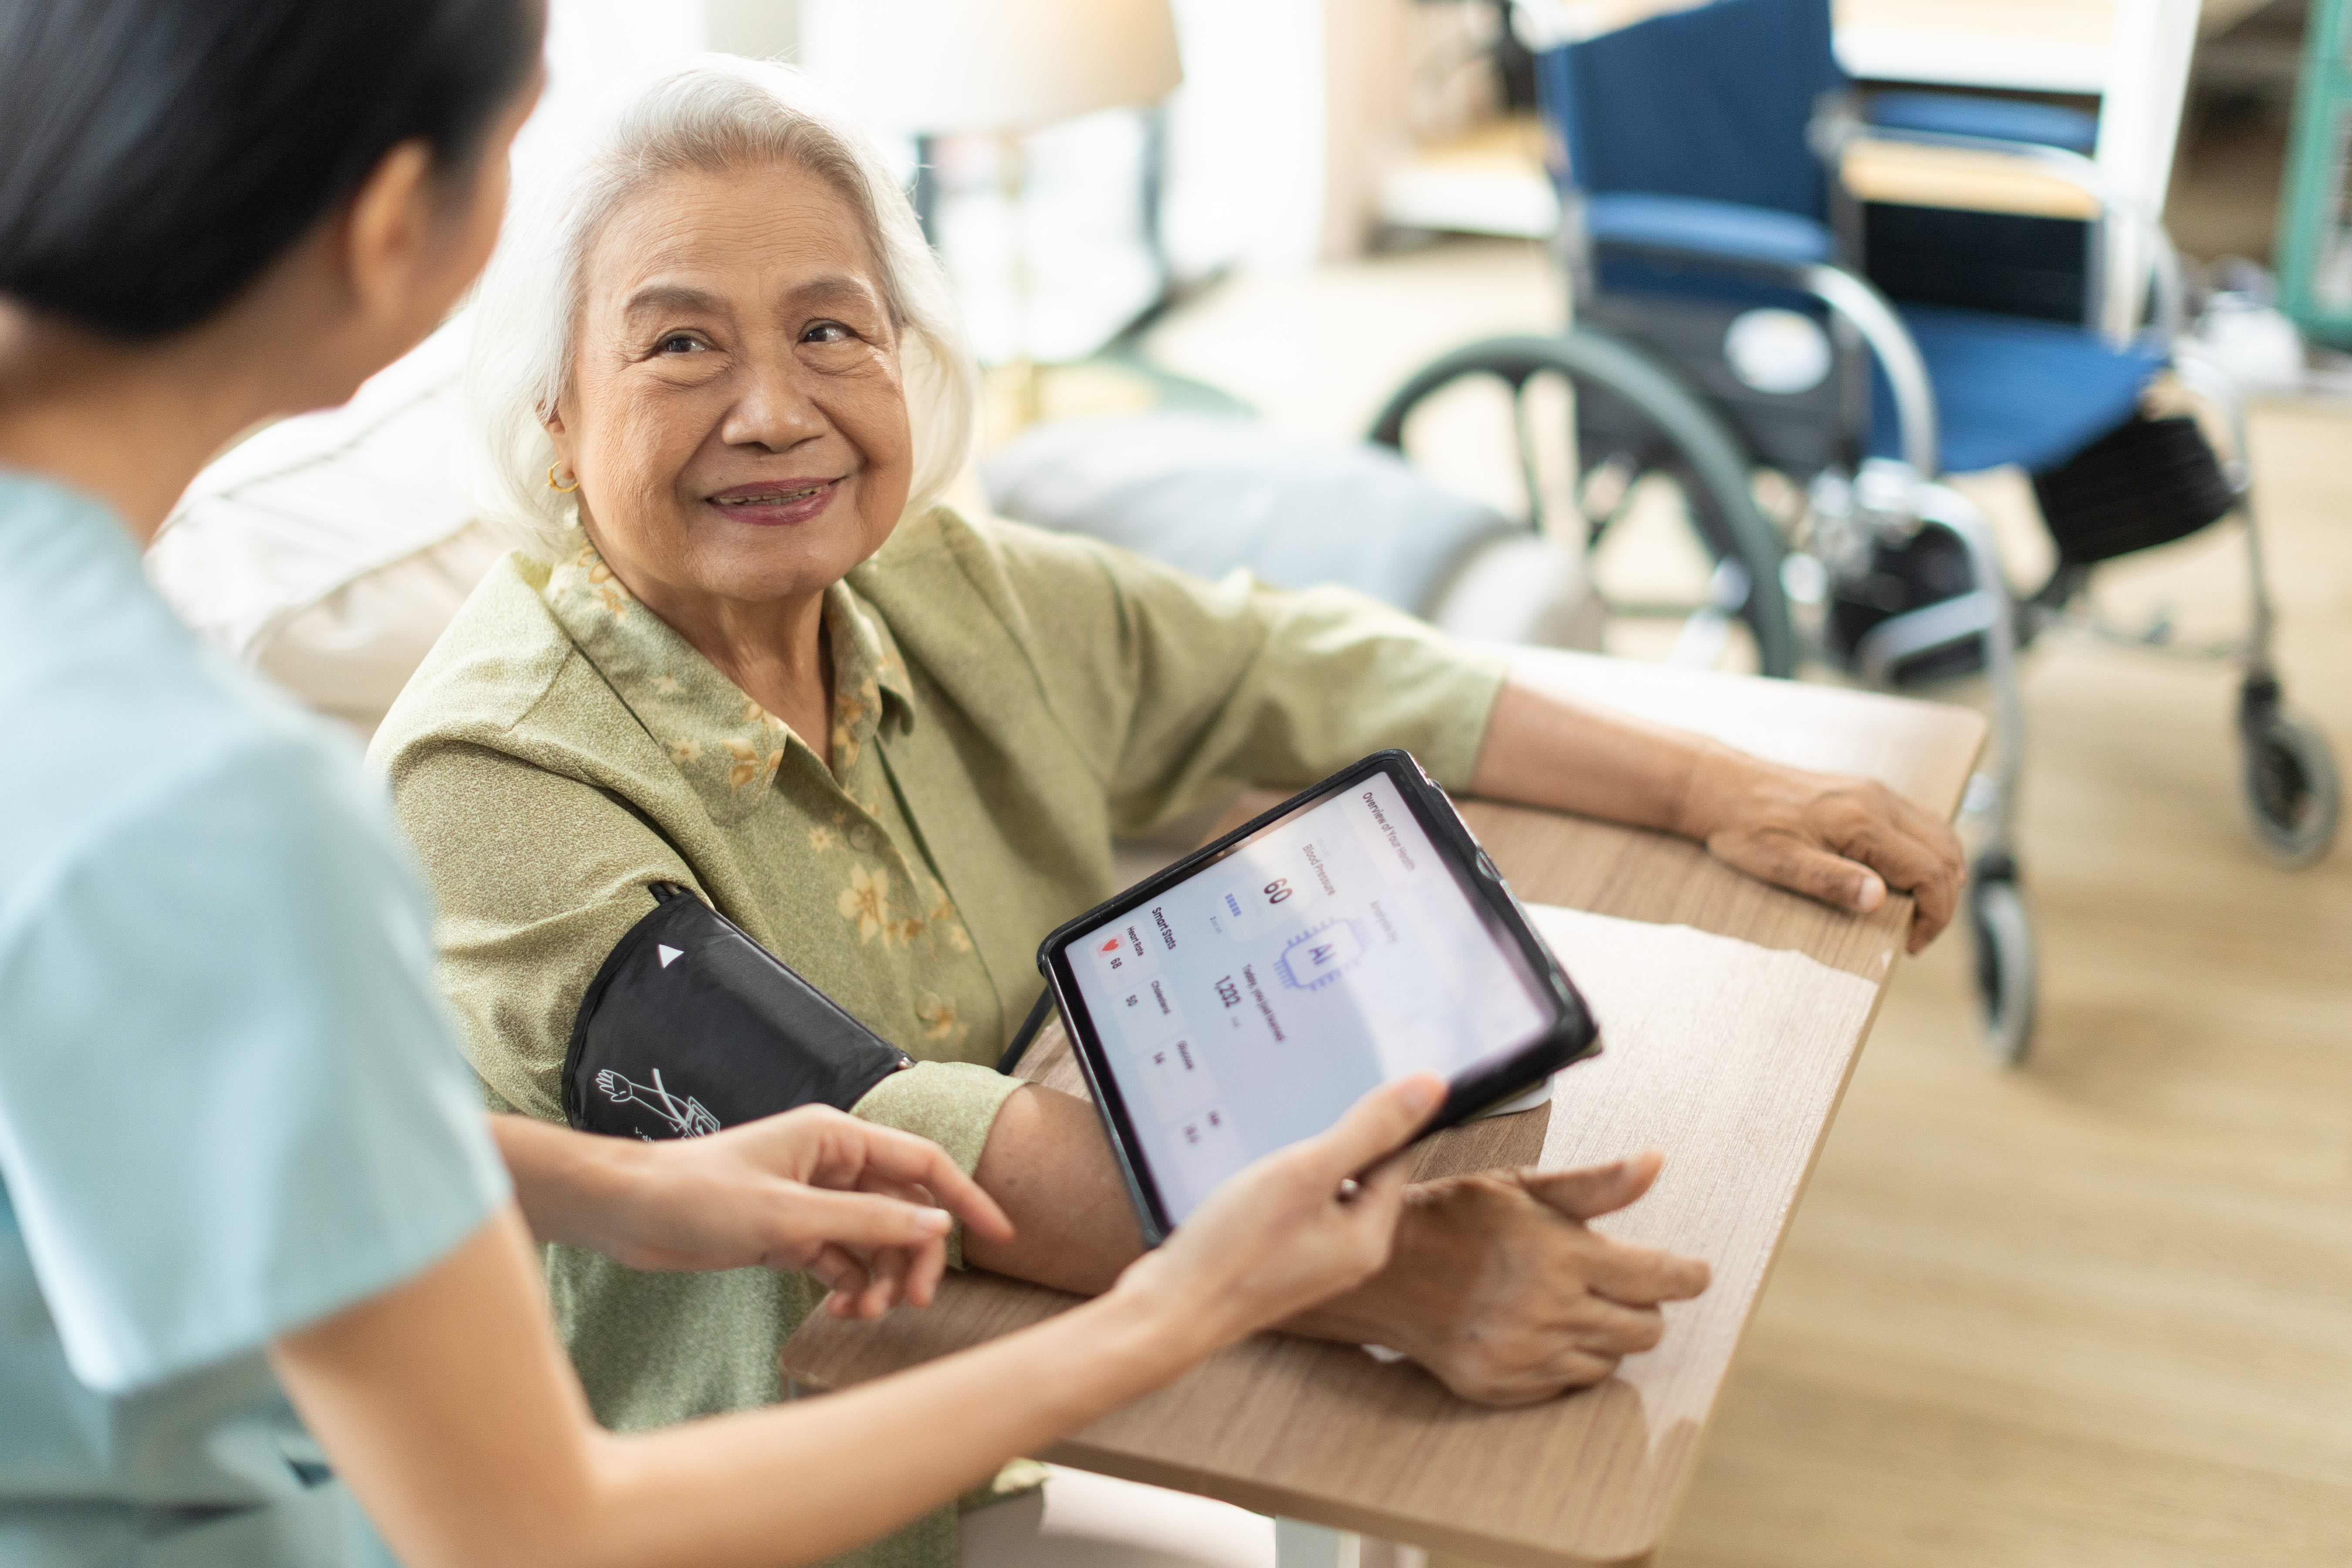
x: 1905, y: 577
x: 2145, y: 483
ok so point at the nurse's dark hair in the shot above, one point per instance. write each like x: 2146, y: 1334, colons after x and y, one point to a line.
x: 157, y: 156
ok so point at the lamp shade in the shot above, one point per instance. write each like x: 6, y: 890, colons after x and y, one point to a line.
x: 928, y: 67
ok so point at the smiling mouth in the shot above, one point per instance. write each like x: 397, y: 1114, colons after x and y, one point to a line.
x: 780, y: 497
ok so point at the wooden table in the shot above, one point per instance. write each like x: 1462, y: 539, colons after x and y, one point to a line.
x: 1962, y: 178
x: 1323, y: 1433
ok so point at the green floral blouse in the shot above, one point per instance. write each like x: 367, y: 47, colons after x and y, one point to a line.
x: 1005, y: 701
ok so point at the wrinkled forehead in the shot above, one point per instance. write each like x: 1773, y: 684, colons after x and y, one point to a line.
x: 740, y: 239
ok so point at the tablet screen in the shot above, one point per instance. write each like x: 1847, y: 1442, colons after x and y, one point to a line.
x: 1249, y: 1006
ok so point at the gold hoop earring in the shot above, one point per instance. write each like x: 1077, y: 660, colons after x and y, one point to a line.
x: 559, y: 489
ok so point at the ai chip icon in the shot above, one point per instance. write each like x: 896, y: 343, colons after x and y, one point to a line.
x: 1321, y: 955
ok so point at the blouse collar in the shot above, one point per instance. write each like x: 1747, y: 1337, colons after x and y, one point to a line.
x: 725, y: 744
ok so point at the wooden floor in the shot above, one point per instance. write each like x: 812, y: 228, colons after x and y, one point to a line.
x: 2098, y: 1311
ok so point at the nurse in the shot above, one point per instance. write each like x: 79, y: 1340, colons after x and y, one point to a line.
x: 242, y: 1170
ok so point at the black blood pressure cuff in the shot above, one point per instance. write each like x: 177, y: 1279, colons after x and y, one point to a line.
x: 691, y: 1026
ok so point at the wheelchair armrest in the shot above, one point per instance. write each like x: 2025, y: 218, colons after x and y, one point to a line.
x: 1781, y: 249
x: 1725, y: 231
x: 1990, y: 119
x: 1832, y: 136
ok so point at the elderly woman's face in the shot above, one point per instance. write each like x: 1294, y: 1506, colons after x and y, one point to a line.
x: 736, y: 416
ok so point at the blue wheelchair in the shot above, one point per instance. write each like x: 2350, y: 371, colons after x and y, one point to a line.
x: 1739, y: 356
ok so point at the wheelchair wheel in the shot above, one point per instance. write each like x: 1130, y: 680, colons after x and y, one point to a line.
x: 2007, y: 968
x: 2294, y: 797
x: 1597, y: 433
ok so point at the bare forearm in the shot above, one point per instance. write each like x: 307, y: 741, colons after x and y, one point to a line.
x: 447, y: 1406
x: 1845, y: 841
x: 1047, y: 1164
x: 567, y: 1184
x: 1009, y: 1396
x: 1542, y: 750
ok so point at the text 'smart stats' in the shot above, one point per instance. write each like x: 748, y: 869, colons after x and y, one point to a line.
x: 1252, y: 1004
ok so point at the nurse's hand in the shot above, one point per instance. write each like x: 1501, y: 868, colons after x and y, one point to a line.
x: 1292, y: 1229
x: 865, y: 1209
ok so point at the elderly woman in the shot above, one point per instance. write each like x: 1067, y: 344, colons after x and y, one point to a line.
x: 743, y: 650
x: 262, y: 1258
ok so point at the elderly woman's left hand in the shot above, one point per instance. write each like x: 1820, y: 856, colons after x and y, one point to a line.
x: 1844, y: 841
x: 1841, y: 840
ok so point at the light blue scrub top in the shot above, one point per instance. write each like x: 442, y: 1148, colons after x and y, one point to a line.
x: 229, y: 1105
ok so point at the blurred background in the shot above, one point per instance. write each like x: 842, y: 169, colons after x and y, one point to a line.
x: 2072, y: 1283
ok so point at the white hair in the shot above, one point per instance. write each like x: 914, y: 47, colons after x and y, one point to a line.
x: 714, y: 113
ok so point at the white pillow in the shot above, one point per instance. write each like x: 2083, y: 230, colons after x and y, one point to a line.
x: 328, y: 551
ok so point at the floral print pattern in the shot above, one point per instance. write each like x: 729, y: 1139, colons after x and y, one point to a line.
x: 868, y: 886
x: 674, y: 689
x: 601, y: 585
x: 751, y: 765
x: 865, y: 903
x: 940, y: 1022
x: 871, y: 902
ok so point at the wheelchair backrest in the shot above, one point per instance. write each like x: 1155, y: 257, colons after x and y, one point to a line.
x: 1712, y: 102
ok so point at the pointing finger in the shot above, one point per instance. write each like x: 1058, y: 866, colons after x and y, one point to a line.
x: 904, y: 1159
x: 860, y: 1222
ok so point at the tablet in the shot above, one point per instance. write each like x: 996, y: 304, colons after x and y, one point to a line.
x: 1247, y: 996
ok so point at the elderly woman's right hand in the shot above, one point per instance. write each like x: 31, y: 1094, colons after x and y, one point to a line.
x: 1503, y: 1291
x: 1293, y: 1229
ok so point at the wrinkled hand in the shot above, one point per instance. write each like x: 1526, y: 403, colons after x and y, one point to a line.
x: 1296, y: 1227
x: 1841, y: 840
x: 1504, y: 1293
x: 865, y: 1209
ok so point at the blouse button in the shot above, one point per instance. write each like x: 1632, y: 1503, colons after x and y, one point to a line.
x: 861, y: 836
